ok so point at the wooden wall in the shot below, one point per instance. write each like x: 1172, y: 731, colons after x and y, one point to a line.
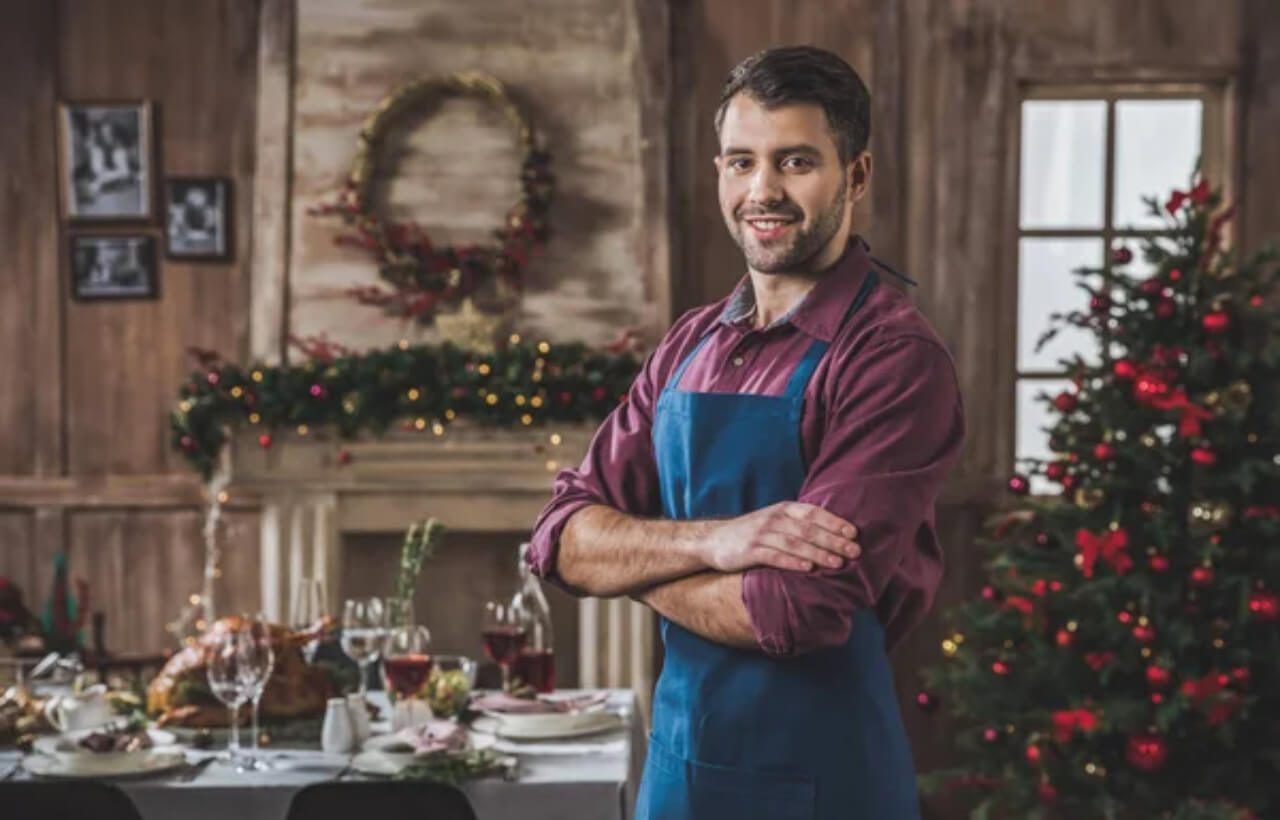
x: 85, y: 387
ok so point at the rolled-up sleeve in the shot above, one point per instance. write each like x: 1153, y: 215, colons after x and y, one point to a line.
x: 894, y: 428
x: 618, y: 471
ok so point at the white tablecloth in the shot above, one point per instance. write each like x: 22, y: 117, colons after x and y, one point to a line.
x: 596, y: 783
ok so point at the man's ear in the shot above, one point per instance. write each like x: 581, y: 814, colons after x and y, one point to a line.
x: 858, y: 174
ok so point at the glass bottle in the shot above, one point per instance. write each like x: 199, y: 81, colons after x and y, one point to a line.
x: 535, y: 664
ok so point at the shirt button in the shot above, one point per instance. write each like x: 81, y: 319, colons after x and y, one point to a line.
x: 737, y: 361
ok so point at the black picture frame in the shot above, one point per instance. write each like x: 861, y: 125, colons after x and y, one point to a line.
x: 107, y: 161
x: 113, y: 266
x: 198, y: 218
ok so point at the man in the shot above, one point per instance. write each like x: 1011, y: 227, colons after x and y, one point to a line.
x: 768, y: 486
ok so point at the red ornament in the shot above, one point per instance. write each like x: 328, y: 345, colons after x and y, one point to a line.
x: 344, y: 457
x: 1055, y: 471
x: 317, y: 391
x: 1202, y: 576
x: 1063, y: 638
x: 1065, y: 402
x: 1175, y: 275
x: 1240, y: 675
x: 264, y: 440
x: 1068, y: 483
x: 1033, y: 753
x: 1264, y: 606
x: 1157, y: 698
x: 1158, y: 677
x: 1124, y: 616
x: 1124, y: 369
x: 990, y: 734
x: 1158, y: 563
x: 1046, y: 792
x: 1204, y: 456
x: 599, y: 394
x: 1000, y: 668
x: 213, y: 377
x: 188, y: 443
x: 1147, y: 751
x: 1165, y: 308
x: 1216, y: 321
x: 1150, y: 387
x: 1043, y: 540
x: 1144, y: 634
x: 1255, y: 300
x: 1121, y: 255
x: 990, y: 593
x: 1099, y: 302
x: 1152, y: 287
x: 1098, y: 661
x: 1019, y: 485
x: 1104, y: 451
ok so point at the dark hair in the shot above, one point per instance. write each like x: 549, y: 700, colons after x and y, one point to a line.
x: 804, y: 74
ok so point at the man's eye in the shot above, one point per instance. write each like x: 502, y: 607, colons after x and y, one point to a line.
x: 739, y: 164
x: 797, y: 163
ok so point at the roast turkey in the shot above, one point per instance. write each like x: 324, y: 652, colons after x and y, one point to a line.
x: 180, y: 694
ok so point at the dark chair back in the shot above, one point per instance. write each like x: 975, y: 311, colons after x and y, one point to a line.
x: 65, y: 800
x: 383, y: 800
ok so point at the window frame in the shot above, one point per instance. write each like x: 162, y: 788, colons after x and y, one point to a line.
x: 1216, y: 93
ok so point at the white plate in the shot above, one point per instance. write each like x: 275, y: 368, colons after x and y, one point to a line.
x: 548, y: 727
x: 96, y: 766
x: 376, y: 759
x: 69, y: 743
x: 388, y: 744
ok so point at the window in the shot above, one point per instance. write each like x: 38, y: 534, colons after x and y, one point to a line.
x: 1088, y: 156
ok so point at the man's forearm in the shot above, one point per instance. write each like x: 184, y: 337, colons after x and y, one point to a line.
x: 607, y: 553
x: 708, y: 604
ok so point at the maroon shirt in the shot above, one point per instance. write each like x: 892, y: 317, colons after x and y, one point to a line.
x: 882, y: 425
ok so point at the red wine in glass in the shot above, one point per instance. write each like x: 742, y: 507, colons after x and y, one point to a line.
x: 406, y: 674
x: 503, y: 643
x: 536, y: 667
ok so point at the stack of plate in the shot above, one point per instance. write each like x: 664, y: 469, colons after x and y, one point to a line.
x: 63, y: 756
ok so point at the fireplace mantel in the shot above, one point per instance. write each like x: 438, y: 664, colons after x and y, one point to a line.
x: 314, y: 488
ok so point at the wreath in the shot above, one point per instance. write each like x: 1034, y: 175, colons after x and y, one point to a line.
x: 420, y: 275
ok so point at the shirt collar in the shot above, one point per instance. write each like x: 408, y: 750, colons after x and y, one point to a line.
x: 821, y: 311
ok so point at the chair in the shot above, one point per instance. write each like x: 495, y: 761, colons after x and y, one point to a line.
x: 384, y: 800
x: 65, y: 800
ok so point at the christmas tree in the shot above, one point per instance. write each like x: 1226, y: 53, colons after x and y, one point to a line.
x: 1123, y: 659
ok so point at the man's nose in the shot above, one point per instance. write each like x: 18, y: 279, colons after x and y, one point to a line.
x: 765, y: 186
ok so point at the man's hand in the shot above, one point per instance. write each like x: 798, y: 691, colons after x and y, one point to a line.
x: 787, y: 535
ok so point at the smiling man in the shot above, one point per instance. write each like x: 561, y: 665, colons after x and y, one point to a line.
x: 768, y: 488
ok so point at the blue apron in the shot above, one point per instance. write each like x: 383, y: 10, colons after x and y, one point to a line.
x: 737, y: 734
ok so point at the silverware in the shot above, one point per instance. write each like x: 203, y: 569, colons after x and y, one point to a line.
x: 13, y: 770
x: 193, y: 770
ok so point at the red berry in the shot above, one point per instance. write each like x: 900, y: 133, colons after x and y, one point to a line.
x: 1145, y: 634
x: 990, y: 734
x: 1264, y: 606
x: 1104, y: 451
x: 1202, y: 576
x: 1019, y: 485
x: 1099, y: 302
x: 1121, y: 255
x: 1065, y: 402
x: 1158, y: 677
x: 1175, y: 275
x: 1000, y: 668
x: 1046, y: 792
x: 1033, y: 754
x: 1158, y: 563
x: 264, y: 440
x: 213, y: 377
x: 1063, y: 638
x: 1124, y: 616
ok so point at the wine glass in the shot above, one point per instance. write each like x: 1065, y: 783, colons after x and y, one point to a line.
x: 505, y: 630
x: 306, y: 609
x: 227, y: 684
x: 406, y: 659
x: 257, y: 658
x: 364, y: 624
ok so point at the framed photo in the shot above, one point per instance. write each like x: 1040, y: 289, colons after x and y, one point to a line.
x: 113, y: 266
x: 106, y: 160
x: 198, y: 217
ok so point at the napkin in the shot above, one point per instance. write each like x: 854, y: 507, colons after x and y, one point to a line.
x: 505, y: 704
x: 433, y: 737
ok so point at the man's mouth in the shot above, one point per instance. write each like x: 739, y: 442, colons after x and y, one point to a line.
x: 770, y: 227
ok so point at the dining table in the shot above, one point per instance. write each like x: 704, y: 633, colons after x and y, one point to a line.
x: 579, y: 778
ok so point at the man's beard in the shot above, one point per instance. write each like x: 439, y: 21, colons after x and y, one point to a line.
x: 804, y: 245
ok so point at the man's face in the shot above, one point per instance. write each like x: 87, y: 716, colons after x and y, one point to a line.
x: 783, y: 189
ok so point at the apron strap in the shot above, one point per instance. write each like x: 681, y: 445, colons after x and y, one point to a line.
x: 800, y: 376
x: 907, y: 279
x: 674, y: 382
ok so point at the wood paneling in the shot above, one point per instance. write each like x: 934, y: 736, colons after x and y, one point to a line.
x: 197, y: 63
x: 30, y: 296
x: 146, y: 563
x: 1259, y: 85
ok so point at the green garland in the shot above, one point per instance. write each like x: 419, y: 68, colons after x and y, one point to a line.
x: 422, y: 387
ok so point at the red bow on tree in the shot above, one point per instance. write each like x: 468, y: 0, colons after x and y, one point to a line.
x: 1067, y: 722
x: 1198, y: 194
x: 1110, y: 547
x: 1192, y: 414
